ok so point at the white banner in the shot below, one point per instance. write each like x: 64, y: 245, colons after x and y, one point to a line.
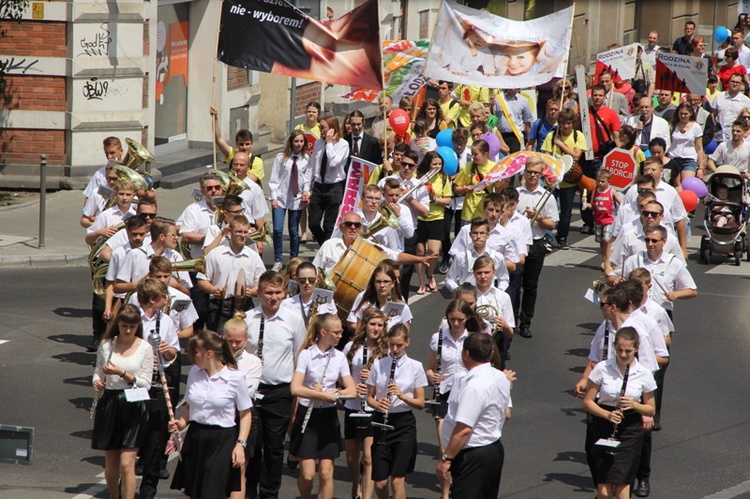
x: 681, y: 73
x: 620, y: 62
x: 478, y: 48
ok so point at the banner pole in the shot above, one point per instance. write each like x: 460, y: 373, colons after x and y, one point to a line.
x: 213, y: 82
x: 567, y: 58
x: 382, y: 85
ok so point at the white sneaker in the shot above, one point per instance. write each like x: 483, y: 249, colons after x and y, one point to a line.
x: 277, y: 267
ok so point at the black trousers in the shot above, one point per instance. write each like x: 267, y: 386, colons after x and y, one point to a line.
x: 274, y: 415
x: 476, y: 472
x: 410, y: 247
x: 220, y: 311
x: 644, y: 465
x: 515, y: 281
x: 450, y: 217
x: 324, y: 207
x: 511, y: 141
x: 532, y: 268
x: 200, y: 302
x: 98, y: 324
x: 155, y: 443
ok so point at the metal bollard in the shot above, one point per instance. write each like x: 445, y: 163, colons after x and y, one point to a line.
x: 42, y: 198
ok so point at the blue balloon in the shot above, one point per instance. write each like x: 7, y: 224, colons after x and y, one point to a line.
x: 647, y: 153
x: 710, y: 147
x: 721, y: 34
x: 450, y: 159
x: 445, y: 138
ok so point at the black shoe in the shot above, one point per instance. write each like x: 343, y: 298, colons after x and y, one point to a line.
x: 292, y: 464
x: 138, y: 468
x: 562, y: 242
x: 444, y: 266
x: 657, y: 426
x: 164, y: 474
x: 643, y: 489
x: 587, y: 229
x: 525, y: 331
x: 93, y: 346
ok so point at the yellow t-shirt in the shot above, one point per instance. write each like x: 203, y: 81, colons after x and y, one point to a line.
x: 576, y: 140
x: 474, y: 94
x: 375, y: 175
x: 314, y: 130
x: 256, y: 168
x: 450, y: 111
x: 468, y: 177
x: 441, y: 184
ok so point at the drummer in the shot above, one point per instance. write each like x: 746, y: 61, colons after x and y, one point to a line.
x: 350, y: 226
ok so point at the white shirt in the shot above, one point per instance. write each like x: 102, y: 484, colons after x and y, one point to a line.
x: 389, y: 237
x: 283, y: 335
x: 667, y: 196
x: 669, y: 271
x: 295, y: 305
x: 116, y: 260
x: 223, y: 266
x: 683, y: 143
x: 332, y: 250
x: 646, y: 351
x: 461, y: 269
x: 251, y: 366
x: 649, y: 55
x: 628, y: 213
x: 94, y: 205
x: 253, y: 201
x: 480, y: 401
x: 110, y: 217
x: 728, y: 108
x: 658, y: 314
x: 632, y: 240
x: 136, y: 263
x: 451, y: 364
x: 420, y: 194
x: 356, y: 368
x: 499, y: 240
x: 121, y: 237
x: 338, y: 157
x: 529, y: 199
x: 659, y: 128
x: 99, y: 179
x: 280, y: 183
x: 409, y: 376
x: 140, y: 364
x: 501, y: 301
x: 358, y: 311
x: 522, y: 225
x: 213, y: 233
x: 197, y: 217
x: 167, y: 331
x: 726, y: 154
x: 609, y: 378
x: 213, y: 400
x: 183, y: 316
x: 311, y: 362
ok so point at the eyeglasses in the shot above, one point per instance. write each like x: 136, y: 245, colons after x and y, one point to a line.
x: 308, y: 280
x: 652, y: 241
x: 149, y: 215
x: 337, y: 332
x: 384, y: 282
x: 409, y: 165
x: 734, y: 82
x: 349, y: 225
x: 213, y: 187
x: 532, y: 172
x: 652, y: 214
x: 236, y: 212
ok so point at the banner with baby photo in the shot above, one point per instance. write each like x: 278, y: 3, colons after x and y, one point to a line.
x: 478, y: 48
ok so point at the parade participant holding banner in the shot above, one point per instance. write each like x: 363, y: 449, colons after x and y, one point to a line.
x: 365, y: 348
x: 477, y: 407
x: 316, y: 434
x: 617, y: 429
x: 395, y: 387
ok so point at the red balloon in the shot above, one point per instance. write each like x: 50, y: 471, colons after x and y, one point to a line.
x: 399, y: 121
x: 689, y: 199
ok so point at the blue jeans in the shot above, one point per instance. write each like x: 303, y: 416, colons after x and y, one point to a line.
x: 566, y: 196
x: 278, y: 232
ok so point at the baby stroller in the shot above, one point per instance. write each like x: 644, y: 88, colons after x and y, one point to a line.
x: 726, y: 215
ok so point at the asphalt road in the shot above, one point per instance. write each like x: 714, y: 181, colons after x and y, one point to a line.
x: 701, y: 451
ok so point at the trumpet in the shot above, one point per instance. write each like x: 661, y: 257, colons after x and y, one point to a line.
x: 540, y: 204
x: 420, y: 182
x: 387, y: 219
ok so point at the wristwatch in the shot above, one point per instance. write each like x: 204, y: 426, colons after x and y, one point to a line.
x: 444, y: 457
x: 243, y: 443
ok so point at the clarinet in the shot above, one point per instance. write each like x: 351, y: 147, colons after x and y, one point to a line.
x: 391, y: 379
x: 99, y: 394
x: 363, y: 400
x: 320, y: 382
x: 155, y: 339
x: 622, y: 394
x: 260, y: 335
x: 438, y: 357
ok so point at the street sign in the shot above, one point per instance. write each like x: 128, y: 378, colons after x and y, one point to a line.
x: 623, y: 167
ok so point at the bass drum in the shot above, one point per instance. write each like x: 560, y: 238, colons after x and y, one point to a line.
x: 353, y: 272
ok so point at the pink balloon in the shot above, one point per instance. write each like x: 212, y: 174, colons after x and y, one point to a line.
x: 493, y: 142
x: 399, y: 121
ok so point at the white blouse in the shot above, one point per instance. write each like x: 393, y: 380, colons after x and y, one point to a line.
x: 607, y: 375
x: 355, y: 315
x: 280, y: 183
x: 213, y: 400
x: 451, y: 363
x: 356, y: 369
x: 140, y: 364
x: 683, y: 144
x: 312, y: 361
x: 409, y: 376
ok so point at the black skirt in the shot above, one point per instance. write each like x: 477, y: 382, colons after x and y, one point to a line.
x: 205, y: 469
x: 440, y: 410
x: 394, y: 452
x: 118, y: 424
x: 322, y: 437
x: 358, y: 427
x: 616, y: 465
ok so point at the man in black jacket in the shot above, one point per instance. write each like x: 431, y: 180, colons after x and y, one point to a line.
x: 361, y: 144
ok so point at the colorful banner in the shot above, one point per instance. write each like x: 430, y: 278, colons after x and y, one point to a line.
x: 514, y: 163
x: 477, y: 48
x: 681, y: 73
x: 359, y: 174
x: 403, y: 63
x: 620, y: 62
x: 273, y: 36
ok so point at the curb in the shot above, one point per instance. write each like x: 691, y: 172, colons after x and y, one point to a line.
x: 12, y: 207
x: 49, y: 260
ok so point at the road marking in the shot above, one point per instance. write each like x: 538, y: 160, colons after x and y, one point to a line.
x: 731, y: 492
x: 4, y: 341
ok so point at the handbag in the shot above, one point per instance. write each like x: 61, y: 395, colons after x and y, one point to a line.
x: 639, y: 84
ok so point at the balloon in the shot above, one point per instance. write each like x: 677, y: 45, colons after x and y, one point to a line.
x: 493, y: 142
x: 445, y: 138
x: 450, y: 160
x: 721, y: 34
x: 399, y: 121
x: 696, y: 185
x: 647, y: 153
x: 689, y: 199
x: 710, y: 147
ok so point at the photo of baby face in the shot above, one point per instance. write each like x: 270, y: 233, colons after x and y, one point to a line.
x: 517, y: 64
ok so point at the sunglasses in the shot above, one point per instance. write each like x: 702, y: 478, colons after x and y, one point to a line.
x: 652, y: 240
x: 307, y: 280
x: 641, y: 191
x: 652, y: 214
x: 603, y: 304
x: 410, y: 165
x: 349, y: 225
x: 149, y: 215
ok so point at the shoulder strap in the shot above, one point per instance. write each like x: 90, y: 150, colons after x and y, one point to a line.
x: 453, y: 103
x: 598, y: 131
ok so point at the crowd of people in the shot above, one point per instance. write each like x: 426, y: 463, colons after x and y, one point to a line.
x: 270, y: 357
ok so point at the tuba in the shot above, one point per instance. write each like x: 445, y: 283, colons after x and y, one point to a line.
x: 262, y: 235
x: 136, y: 155
x: 94, y: 261
x: 387, y: 219
x: 324, y: 281
x: 99, y: 280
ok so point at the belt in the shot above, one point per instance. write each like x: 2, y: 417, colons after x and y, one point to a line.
x: 264, y: 386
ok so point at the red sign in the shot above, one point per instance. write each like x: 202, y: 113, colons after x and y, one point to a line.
x: 623, y: 167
